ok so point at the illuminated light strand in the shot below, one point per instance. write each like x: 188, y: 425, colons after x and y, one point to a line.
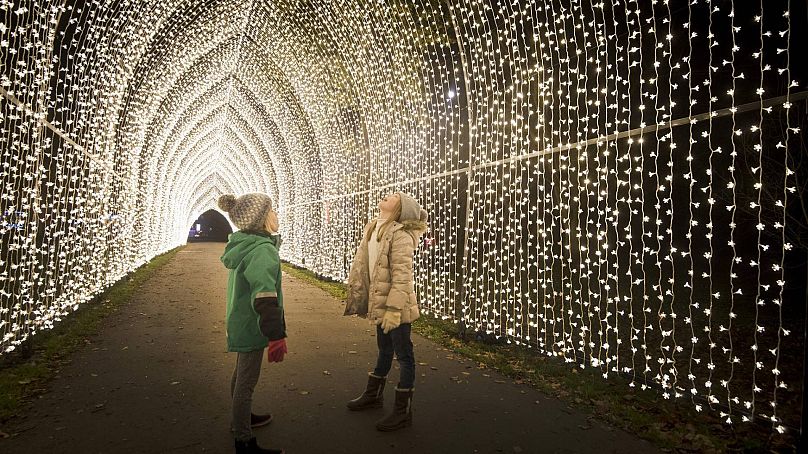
x: 732, y: 277
x: 710, y: 222
x: 777, y: 422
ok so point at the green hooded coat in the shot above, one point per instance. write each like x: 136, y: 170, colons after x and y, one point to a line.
x: 254, y: 296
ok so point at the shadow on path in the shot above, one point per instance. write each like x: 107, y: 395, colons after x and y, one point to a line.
x: 157, y: 380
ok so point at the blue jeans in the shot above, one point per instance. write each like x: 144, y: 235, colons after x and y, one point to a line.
x: 396, y: 341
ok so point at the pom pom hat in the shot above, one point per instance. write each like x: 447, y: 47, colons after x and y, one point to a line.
x: 410, y: 209
x: 248, y: 212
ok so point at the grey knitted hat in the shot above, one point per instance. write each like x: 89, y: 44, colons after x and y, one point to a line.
x: 248, y: 212
x: 410, y: 209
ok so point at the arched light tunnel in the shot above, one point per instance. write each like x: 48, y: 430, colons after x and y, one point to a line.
x: 616, y: 184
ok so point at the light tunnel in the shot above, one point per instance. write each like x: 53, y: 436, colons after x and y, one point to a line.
x: 613, y: 183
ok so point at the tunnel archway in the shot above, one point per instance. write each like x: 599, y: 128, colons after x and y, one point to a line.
x: 211, y: 226
x: 615, y: 184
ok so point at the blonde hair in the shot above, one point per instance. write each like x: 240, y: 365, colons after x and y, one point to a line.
x: 389, y: 221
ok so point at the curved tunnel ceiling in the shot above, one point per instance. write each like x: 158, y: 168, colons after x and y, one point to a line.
x: 224, y: 109
x: 590, y: 167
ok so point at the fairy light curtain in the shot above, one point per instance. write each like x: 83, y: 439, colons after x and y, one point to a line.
x: 613, y: 183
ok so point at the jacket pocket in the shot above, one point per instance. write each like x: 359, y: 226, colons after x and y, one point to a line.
x: 357, y: 302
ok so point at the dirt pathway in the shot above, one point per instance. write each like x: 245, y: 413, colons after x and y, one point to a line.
x: 157, y: 380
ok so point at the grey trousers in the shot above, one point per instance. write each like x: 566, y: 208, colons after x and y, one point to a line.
x: 245, y: 376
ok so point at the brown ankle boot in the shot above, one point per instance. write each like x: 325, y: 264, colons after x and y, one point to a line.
x: 402, y: 412
x: 373, y: 397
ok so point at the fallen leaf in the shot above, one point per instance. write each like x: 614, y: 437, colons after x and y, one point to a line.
x: 351, y: 352
x: 175, y: 383
x: 304, y: 393
x: 3, y: 434
x: 325, y: 372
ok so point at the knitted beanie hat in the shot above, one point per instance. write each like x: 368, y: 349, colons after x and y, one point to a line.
x: 248, y: 212
x: 410, y: 209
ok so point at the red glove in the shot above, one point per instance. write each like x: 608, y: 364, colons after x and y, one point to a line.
x: 276, y: 350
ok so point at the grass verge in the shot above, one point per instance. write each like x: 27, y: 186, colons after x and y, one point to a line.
x: 24, y: 373
x: 671, y: 425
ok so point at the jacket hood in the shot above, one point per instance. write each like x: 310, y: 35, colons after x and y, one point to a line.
x: 241, y: 243
x: 415, y: 228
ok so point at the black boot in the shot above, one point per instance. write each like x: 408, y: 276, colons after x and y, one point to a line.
x: 372, y: 397
x: 402, y: 412
x: 251, y: 447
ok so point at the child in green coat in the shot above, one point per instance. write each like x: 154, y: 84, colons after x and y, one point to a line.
x: 255, y: 317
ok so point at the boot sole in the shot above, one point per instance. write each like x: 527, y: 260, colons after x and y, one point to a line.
x: 376, y: 404
x: 394, y: 428
x: 262, y: 424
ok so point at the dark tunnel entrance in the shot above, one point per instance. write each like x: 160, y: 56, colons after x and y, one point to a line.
x: 209, y: 226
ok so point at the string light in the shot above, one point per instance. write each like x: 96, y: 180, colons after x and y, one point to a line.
x: 584, y: 164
